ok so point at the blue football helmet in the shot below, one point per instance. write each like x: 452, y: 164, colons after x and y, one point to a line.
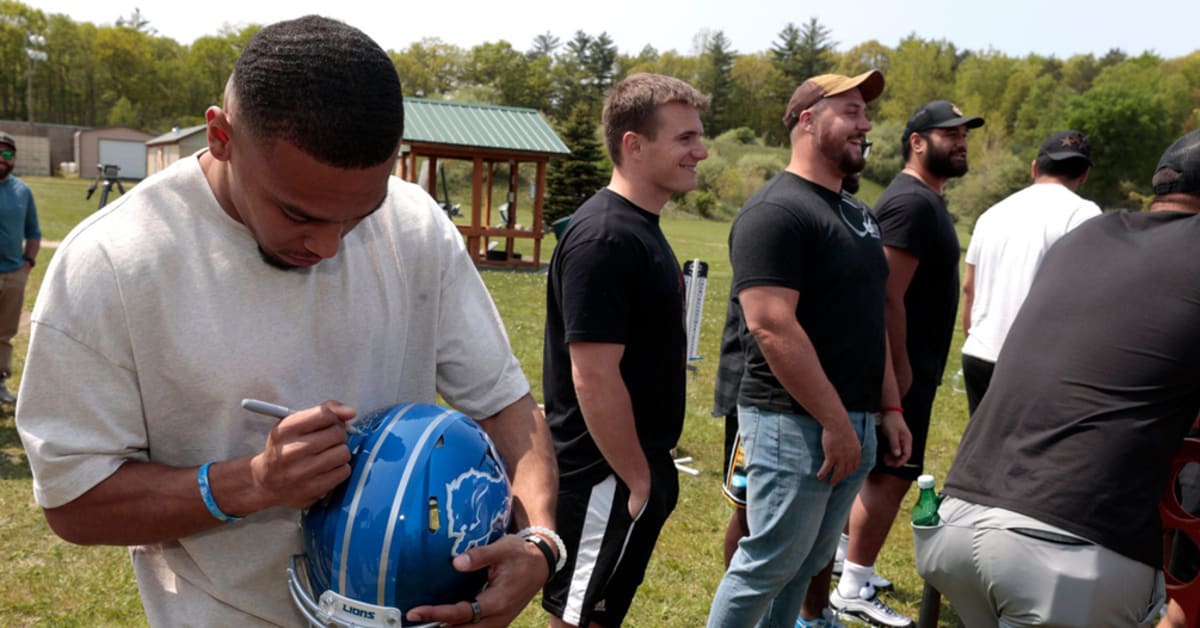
x: 426, y: 484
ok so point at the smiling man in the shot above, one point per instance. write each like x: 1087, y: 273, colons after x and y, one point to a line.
x: 615, y: 353
x: 922, y: 302
x: 158, y: 314
x: 809, y: 274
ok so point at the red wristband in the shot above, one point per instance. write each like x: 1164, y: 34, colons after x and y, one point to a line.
x: 887, y: 410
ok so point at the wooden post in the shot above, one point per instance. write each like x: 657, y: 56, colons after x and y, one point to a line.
x: 491, y: 174
x: 476, y: 209
x: 539, y: 211
x: 431, y: 176
x: 512, y: 207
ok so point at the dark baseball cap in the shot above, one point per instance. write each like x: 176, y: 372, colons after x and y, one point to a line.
x: 1182, y: 157
x: 939, y: 114
x: 869, y: 84
x: 1067, y: 145
x: 5, y: 138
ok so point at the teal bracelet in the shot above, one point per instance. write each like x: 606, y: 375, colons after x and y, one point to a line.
x: 207, y: 496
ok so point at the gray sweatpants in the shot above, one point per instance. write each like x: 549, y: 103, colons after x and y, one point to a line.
x: 997, y: 577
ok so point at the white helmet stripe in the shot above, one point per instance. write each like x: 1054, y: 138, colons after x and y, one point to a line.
x: 358, y: 491
x: 416, y: 455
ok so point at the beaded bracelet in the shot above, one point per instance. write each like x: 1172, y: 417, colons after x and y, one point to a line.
x: 545, y: 532
x: 207, y: 496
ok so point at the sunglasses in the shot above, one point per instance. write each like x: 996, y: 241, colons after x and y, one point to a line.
x: 8, y: 154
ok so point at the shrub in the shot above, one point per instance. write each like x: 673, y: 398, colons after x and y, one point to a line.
x: 740, y: 135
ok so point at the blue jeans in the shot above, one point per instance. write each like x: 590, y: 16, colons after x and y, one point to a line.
x: 795, y: 519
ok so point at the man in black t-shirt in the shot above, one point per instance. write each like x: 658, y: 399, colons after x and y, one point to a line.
x: 725, y: 396
x: 1051, y: 508
x: 922, y: 300
x: 809, y: 274
x: 615, y: 353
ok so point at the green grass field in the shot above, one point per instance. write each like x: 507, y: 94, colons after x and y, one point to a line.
x: 48, y: 582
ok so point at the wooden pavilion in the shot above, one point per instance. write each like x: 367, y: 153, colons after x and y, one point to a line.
x: 491, y: 138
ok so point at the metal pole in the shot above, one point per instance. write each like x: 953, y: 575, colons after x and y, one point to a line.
x: 29, y: 89
x: 931, y: 607
x: 34, y: 51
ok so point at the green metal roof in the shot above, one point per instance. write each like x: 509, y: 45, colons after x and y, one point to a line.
x: 175, y: 135
x: 483, y: 126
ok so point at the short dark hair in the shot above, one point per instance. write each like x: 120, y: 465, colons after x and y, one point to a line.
x: 632, y: 105
x: 1072, y: 168
x: 906, y: 144
x: 324, y: 87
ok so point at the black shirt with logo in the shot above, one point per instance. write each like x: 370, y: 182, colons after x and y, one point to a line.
x: 796, y: 234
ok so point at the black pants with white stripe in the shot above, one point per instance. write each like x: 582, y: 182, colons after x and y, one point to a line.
x: 607, y: 549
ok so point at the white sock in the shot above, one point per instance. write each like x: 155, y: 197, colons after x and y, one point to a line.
x: 854, y: 577
x: 843, y: 545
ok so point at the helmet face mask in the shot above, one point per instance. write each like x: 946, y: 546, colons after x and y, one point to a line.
x: 426, y: 485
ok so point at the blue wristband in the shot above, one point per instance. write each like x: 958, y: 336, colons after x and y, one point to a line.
x: 207, y: 496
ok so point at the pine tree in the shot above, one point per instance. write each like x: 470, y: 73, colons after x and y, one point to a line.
x: 803, y: 53
x: 716, y: 79
x: 573, y: 179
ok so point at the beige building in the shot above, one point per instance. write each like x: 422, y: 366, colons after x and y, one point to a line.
x: 33, y: 155
x: 169, y: 148
x: 117, y: 145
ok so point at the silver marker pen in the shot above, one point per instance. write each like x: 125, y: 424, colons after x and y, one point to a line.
x: 270, y: 409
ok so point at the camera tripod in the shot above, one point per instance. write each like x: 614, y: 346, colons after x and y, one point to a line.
x: 106, y: 176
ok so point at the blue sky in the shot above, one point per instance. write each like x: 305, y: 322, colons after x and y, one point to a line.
x: 1017, y: 27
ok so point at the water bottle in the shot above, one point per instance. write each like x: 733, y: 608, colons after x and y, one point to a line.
x: 925, y: 512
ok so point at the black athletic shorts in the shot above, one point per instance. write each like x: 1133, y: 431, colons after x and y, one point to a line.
x: 607, y: 550
x: 918, y: 406
x: 977, y: 374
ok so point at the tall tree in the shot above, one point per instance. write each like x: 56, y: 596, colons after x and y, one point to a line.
x: 573, y: 179
x: 544, y: 45
x: 802, y: 53
x: 716, y: 80
x: 869, y: 55
x: 1131, y: 112
x: 137, y: 21
x: 430, y: 67
x: 918, y: 71
x: 758, y: 88
x: 979, y: 87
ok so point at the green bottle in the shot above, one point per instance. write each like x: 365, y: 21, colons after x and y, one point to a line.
x: 925, y: 512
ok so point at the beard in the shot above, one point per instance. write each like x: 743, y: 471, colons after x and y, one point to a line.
x: 5, y: 170
x: 850, y: 184
x: 835, y: 149
x: 275, y: 262
x: 942, y: 164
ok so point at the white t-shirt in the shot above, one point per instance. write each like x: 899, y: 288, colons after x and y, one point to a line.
x: 157, y: 316
x: 1006, y: 248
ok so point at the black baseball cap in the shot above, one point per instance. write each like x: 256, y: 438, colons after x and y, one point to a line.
x: 1182, y: 157
x: 1067, y: 145
x: 939, y: 114
x: 5, y: 138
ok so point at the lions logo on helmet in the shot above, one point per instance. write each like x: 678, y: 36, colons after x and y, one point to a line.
x: 426, y: 484
x: 472, y: 522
